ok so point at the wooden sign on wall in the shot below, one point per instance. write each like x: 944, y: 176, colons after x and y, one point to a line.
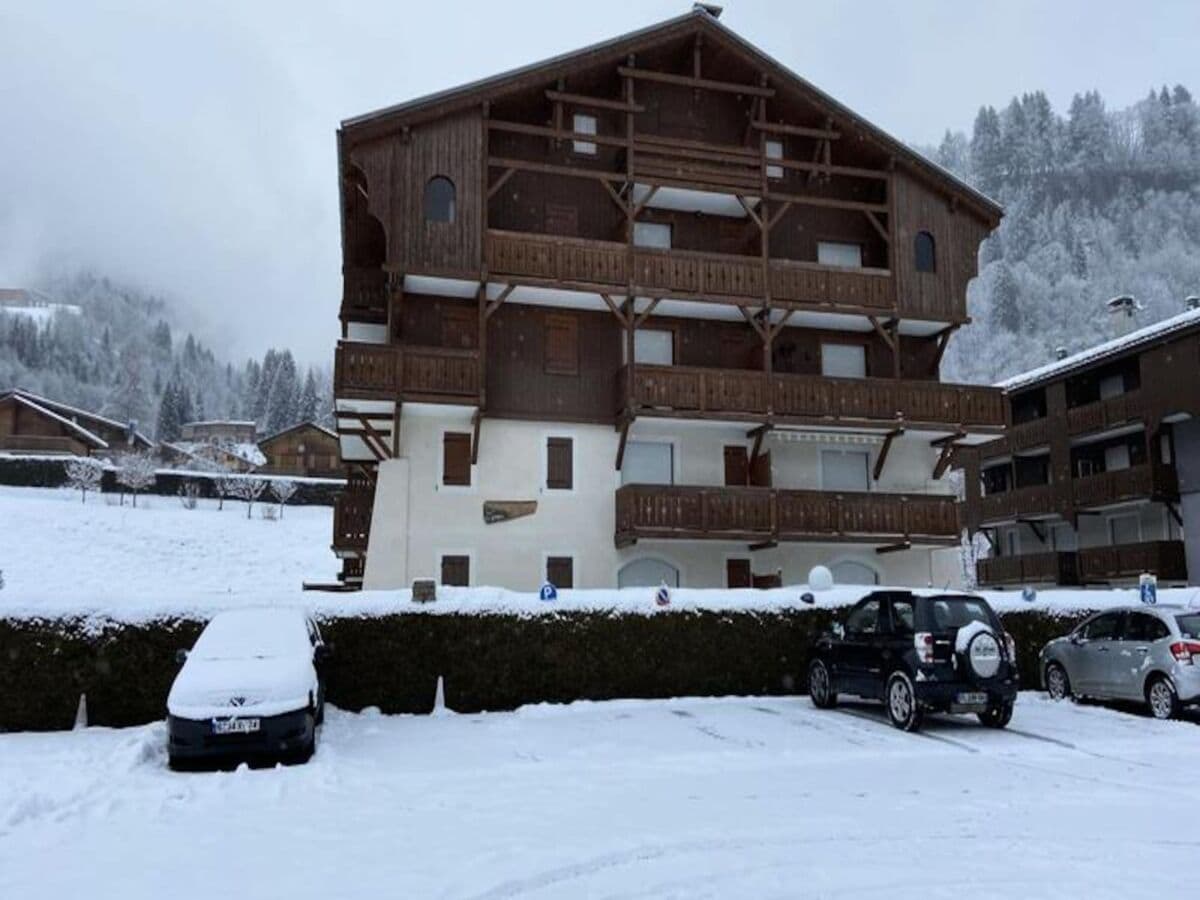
x: 503, y: 510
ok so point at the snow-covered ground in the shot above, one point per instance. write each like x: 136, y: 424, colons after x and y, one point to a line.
x: 762, y: 798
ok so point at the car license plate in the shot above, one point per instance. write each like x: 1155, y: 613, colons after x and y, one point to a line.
x: 972, y: 698
x: 235, y: 726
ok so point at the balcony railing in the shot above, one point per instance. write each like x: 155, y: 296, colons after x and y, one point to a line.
x: 1104, y: 414
x: 1116, y: 486
x: 737, y: 392
x: 1031, y: 568
x: 1166, y: 559
x: 764, y: 514
x: 399, y: 372
x: 1025, y: 501
x: 352, y: 520
x: 686, y: 272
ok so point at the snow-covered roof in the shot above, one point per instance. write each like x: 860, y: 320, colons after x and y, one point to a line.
x: 244, y: 451
x: 98, y: 442
x: 67, y: 409
x: 296, y: 427
x: 240, y: 423
x: 1116, y: 347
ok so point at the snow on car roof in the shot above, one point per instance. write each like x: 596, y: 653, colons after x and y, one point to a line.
x: 256, y: 633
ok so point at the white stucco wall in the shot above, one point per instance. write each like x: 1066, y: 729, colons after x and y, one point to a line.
x: 579, y: 523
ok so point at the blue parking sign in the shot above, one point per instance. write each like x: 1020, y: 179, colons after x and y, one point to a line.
x: 1148, y: 588
x: 548, y: 592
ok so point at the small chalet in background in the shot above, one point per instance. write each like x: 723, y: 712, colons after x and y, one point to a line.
x: 1098, y: 477
x: 307, y: 449
x: 220, y: 430
x: 37, y: 425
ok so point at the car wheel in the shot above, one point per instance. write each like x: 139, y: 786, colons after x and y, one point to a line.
x: 1058, y: 685
x: 820, y: 686
x: 1161, y: 696
x: 901, y: 701
x: 997, y: 716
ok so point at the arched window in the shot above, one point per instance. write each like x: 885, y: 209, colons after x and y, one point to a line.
x: 850, y: 572
x: 439, y: 199
x: 647, y: 572
x: 926, y: 255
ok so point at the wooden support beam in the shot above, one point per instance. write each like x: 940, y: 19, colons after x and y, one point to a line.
x: 616, y: 310
x: 943, y: 461
x: 1036, y: 527
x: 1173, y: 509
x: 825, y: 134
x: 618, y: 199
x: 948, y: 439
x: 943, y: 341
x: 548, y: 169
x: 815, y: 167
x: 370, y: 435
x: 894, y: 548
x: 594, y: 102
x: 883, y: 331
x: 637, y: 210
x: 778, y: 326
x: 754, y: 323
x: 778, y: 214
x: 728, y: 87
x: 877, y: 225
x: 396, y: 431
x: 493, y: 305
x: 763, y: 545
x: 624, y: 424
x: 759, y: 430
x: 756, y: 449
x: 556, y: 132
x: 500, y: 182
x: 750, y: 212
x: 883, y: 452
x: 829, y: 202
x: 645, y: 313
x: 476, y: 421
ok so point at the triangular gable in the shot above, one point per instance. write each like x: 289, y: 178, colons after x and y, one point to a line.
x: 96, y: 441
x: 65, y: 409
x: 297, y: 427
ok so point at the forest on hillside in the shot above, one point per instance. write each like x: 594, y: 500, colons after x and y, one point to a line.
x: 1098, y: 203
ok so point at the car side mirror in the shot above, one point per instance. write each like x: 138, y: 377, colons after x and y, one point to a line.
x: 839, y: 630
x: 1078, y: 639
x: 181, y: 656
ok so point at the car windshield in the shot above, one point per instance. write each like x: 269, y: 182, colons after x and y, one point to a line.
x: 1189, y: 625
x: 955, y: 612
x: 253, y: 634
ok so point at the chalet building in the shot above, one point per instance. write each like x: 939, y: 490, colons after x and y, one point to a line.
x: 307, y: 449
x: 655, y: 310
x: 1098, y: 478
x: 220, y: 430
x: 30, y: 424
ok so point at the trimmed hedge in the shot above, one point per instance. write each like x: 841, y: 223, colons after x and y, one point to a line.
x: 489, y: 661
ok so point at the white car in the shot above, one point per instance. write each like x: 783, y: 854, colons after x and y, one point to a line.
x: 252, y: 686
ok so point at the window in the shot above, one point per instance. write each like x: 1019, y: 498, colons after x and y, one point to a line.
x: 654, y: 346
x: 955, y: 612
x: 584, y: 125
x: 844, y: 470
x: 456, y: 459
x: 439, y: 199
x: 1145, y: 627
x: 647, y: 572
x: 456, y: 571
x: 560, y: 571
x: 1124, y: 530
x: 1112, y: 386
x: 1116, y: 457
x: 648, y: 462
x: 560, y: 468
x: 844, y: 360
x: 925, y: 252
x: 1012, y: 542
x: 832, y: 253
x: 850, y: 572
x: 561, y: 353
x: 774, y: 151
x: 864, y: 618
x: 1102, y: 628
x: 652, y: 234
x: 903, y: 617
x: 737, y: 573
x: 996, y: 479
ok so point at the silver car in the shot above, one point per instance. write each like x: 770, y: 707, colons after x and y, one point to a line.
x: 1150, y: 654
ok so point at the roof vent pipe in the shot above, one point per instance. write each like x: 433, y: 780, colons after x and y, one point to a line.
x: 1192, y: 302
x: 1061, y: 353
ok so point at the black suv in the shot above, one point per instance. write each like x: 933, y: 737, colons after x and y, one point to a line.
x: 918, y: 653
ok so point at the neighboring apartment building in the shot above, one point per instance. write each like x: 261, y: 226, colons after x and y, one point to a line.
x: 1097, y: 480
x: 656, y: 310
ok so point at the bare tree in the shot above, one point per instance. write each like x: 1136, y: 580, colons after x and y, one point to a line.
x: 283, y: 490
x: 85, y: 474
x: 225, y: 486
x: 189, y: 494
x: 137, y: 472
x: 248, y: 489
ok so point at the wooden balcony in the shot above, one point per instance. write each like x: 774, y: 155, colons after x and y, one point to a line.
x: 1027, y: 501
x: 352, y: 521
x: 1166, y: 559
x: 736, y: 393
x: 687, y: 273
x: 401, y: 372
x: 1032, y: 568
x: 1104, y: 414
x: 646, y: 511
x: 1119, y: 485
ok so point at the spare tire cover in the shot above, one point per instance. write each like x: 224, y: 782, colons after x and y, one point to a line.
x: 983, y: 655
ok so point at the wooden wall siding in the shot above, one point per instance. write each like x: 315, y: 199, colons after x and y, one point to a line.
x: 1165, y: 369
x: 661, y: 511
x: 527, y: 200
x: 957, y: 235
x: 303, y: 451
x: 796, y: 235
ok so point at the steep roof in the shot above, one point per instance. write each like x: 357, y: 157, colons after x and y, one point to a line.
x: 78, y: 430
x: 297, y: 427
x: 1129, y: 343
x: 67, y: 411
x: 697, y: 21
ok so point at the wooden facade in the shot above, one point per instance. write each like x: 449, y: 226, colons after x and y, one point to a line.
x: 507, y: 243
x: 305, y: 450
x: 1093, y: 433
x: 33, y: 424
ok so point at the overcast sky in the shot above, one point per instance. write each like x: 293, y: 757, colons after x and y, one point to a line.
x: 189, y: 147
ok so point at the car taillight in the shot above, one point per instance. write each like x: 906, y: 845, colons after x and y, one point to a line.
x: 923, y: 644
x: 1183, y: 651
x: 1011, y: 646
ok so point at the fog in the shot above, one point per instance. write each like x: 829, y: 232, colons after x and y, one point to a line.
x: 191, y: 150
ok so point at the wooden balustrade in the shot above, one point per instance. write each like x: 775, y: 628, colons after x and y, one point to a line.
x: 352, y: 520
x: 735, y: 391
x: 1107, y: 413
x: 1166, y: 559
x: 1026, y: 501
x: 397, y: 372
x: 1113, y: 487
x: 752, y: 513
x: 1031, y: 568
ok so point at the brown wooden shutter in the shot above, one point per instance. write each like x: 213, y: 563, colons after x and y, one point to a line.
x: 737, y: 466
x: 456, y: 458
x: 765, y: 582
x: 560, y: 571
x: 456, y: 571
x: 561, y: 344
x: 737, y: 573
x: 560, y: 470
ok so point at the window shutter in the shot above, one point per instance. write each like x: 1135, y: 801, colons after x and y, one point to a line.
x: 737, y: 573
x: 560, y: 571
x: 561, y: 345
x: 737, y: 466
x: 560, y: 474
x: 456, y: 458
x: 456, y: 571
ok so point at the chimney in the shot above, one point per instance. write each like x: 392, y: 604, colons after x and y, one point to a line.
x: 1061, y: 353
x: 1192, y: 302
x: 1122, y: 313
x: 711, y: 8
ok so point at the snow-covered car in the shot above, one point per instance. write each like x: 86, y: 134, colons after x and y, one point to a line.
x: 252, y: 686
x: 1143, y: 653
x: 918, y: 653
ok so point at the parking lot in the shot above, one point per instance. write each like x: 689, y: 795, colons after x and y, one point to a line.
x: 678, y: 798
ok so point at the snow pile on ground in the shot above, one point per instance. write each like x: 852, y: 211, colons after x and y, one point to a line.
x: 695, y: 798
